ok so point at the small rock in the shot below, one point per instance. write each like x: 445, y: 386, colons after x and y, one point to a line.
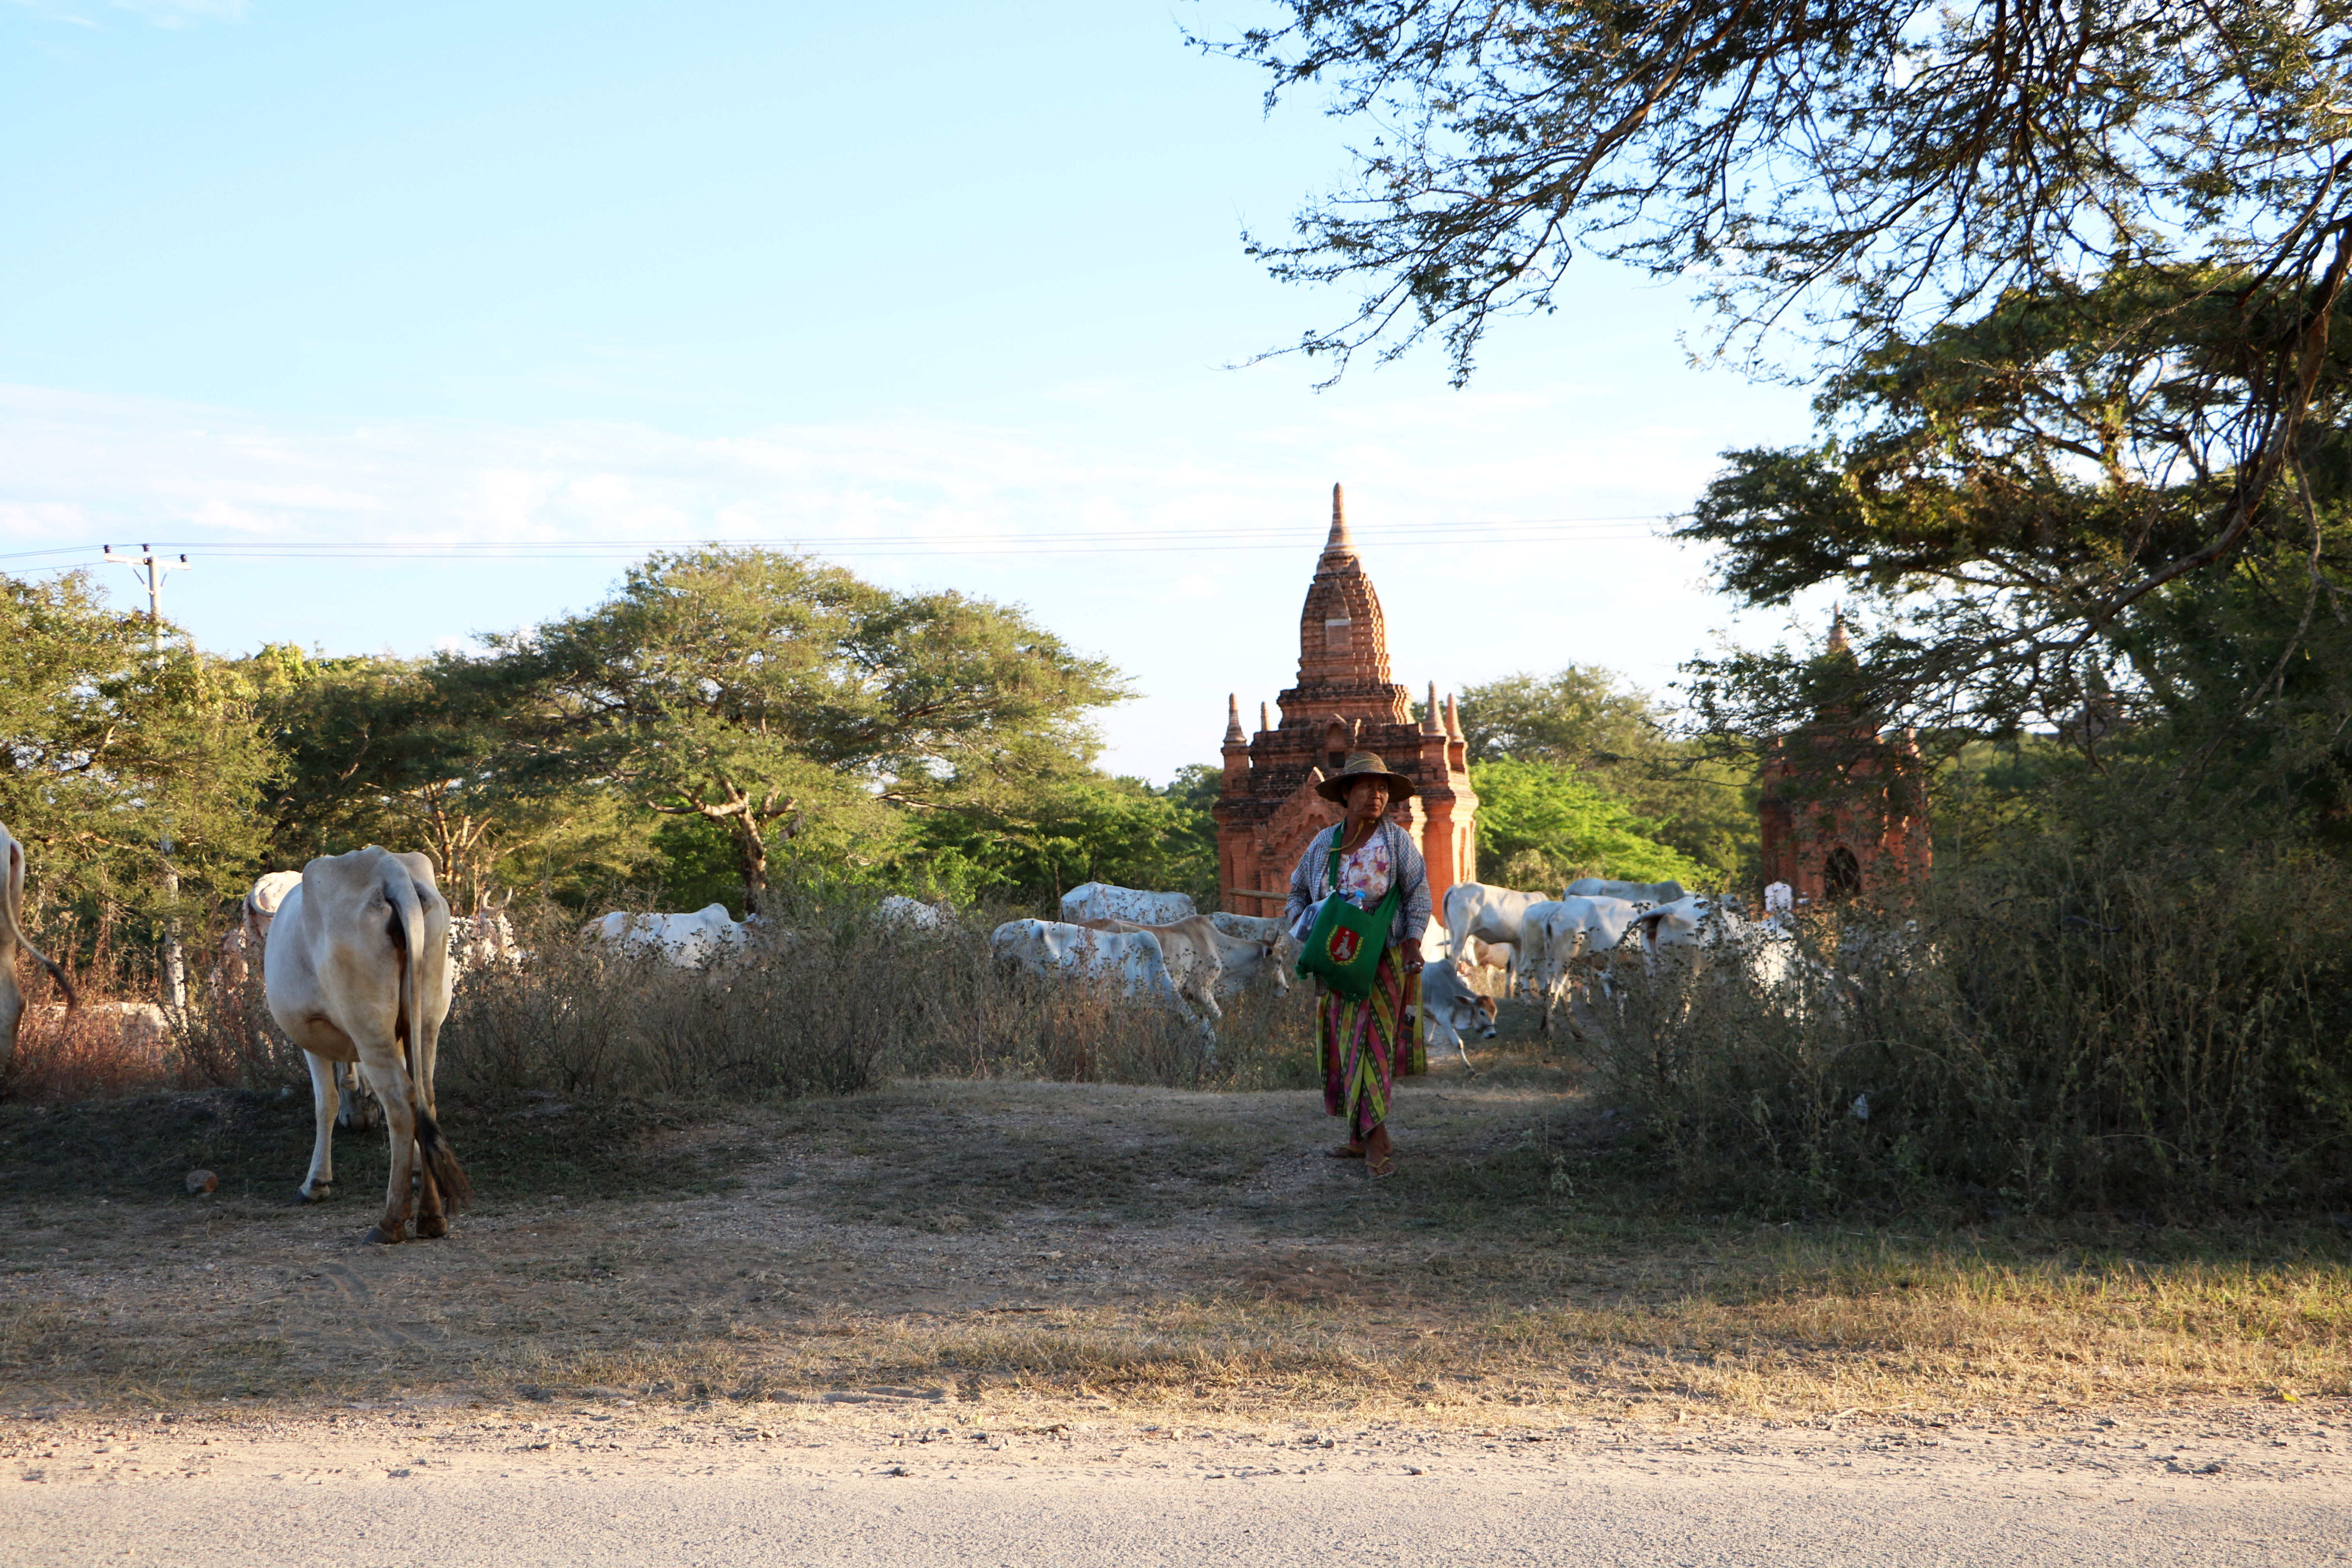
x: 203, y: 1182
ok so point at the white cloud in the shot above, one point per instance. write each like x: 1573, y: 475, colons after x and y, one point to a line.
x: 159, y: 13
x: 894, y: 501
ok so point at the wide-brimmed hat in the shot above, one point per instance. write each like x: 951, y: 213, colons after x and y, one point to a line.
x: 1360, y: 765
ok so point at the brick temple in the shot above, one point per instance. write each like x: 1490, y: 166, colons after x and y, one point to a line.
x: 1344, y: 701
x: 1843, y: 808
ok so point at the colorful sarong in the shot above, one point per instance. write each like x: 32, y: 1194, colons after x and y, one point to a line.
x: 1364, y: 1045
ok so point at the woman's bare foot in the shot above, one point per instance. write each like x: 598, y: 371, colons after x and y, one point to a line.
x: 1379, y: 1155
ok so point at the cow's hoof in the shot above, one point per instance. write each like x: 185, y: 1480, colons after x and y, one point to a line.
x: 383, y: 1236
x: 432, y: 1226
x: 316, y: 1194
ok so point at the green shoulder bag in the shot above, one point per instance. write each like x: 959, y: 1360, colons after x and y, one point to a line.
x: 1344, y: 949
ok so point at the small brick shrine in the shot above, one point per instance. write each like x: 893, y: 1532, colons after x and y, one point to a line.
x: 1344, y: 701
x: 1843, y: 808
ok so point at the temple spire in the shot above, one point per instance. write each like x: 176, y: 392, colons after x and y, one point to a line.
x: 1837, y: 632
x: 1233, y: 736
x: 1263, y: 722
x: 1452, y: 718
x: 1431, y: 723
x: 1339, y: 545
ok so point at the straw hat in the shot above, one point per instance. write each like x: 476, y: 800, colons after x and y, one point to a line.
x: 1360, y: 765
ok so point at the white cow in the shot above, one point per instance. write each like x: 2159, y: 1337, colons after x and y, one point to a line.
x: 1133, y: 961
x: 11, y: 937
x: 1192, y: 950
x: 687, y: 941
x: 1233, y: 965
x: 1503, y: 957
x: 898, y: 909
x: 478, y: 941
x: 240, y: 956
x: 1249, y: 928
x: 357, y: 969
x: 1101, y: 901
x: 1666, y: 892
x: 1452, y: 1009
x: 1489, y: 914
x: 1574, y: 937
x: 1693, y: 932
x: 240, y: 950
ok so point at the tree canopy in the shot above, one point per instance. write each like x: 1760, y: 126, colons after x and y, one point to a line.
x: 769, y: 694
x: 2136, y: 212
x: 114, y: 745
x: 1544, y: 825
x: 1596, y: 741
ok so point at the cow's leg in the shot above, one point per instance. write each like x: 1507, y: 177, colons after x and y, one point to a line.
x: 12, y: 1006
x: 390, y: 1082
x: 326, y: 1077
x: 356, y: 1112
x: 432, y: 1221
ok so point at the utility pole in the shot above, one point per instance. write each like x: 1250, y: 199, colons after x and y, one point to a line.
x: 175, y: 961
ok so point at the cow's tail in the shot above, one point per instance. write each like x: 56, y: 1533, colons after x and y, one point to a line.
x: 441, y: 1161
x: 12, y: 899
x: 406, y: 928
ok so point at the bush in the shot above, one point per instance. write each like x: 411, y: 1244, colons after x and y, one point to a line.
x: 2161, y: 1030
x: 837, y: 1006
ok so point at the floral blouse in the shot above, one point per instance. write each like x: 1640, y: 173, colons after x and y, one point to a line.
x: 1388, y: 858
x: 1365, y: 873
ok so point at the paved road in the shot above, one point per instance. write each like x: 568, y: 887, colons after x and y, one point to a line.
x: 456, y: 1491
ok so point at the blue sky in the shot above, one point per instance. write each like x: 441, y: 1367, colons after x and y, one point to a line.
x: 927, y: 288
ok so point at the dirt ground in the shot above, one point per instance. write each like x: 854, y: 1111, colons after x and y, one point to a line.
x: 1060, y: 1251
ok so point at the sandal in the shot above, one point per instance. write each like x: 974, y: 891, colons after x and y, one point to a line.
x: 1345, y: 1151
x: 1381, y: 1167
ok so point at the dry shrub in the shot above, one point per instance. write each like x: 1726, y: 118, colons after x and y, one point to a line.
x: 833, y: 1006
x: 2166, y: 1030
x: 87, y: 1054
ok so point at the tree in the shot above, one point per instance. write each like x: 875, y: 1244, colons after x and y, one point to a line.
x: 1843, y: 176
x: 773, y: 696
x: 380, y: 750
x: 1996, y: 476
x: 1698, y: 805
x: 1544, y: 825
x: 113, y: 747
x: 1087, y: 828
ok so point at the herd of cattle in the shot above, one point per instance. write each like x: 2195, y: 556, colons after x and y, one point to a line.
x: 359, y: 956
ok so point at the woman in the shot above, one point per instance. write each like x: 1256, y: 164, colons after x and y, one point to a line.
x: 1358, y: 1040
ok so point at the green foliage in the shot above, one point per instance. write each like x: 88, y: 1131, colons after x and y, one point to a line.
x: 777, y: 697
x: 114, y: 746
x: 390, y: 751
x: 1698, y: 805
x: 1543, y: 824
x: 1084, y: 828
x: 2006, y: 490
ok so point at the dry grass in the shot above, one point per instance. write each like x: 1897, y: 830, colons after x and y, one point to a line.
x: 1167, y: 1253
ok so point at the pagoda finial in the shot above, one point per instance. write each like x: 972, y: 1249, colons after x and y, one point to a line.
x: 1263, y: 722
x: 1339, y: 543
x: 1452, y: 718
x: 1233, y: 736
x: 1431, y: 722
x: 1837, y: 631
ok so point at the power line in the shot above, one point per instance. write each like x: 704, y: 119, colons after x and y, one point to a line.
x: 1536, y: 530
